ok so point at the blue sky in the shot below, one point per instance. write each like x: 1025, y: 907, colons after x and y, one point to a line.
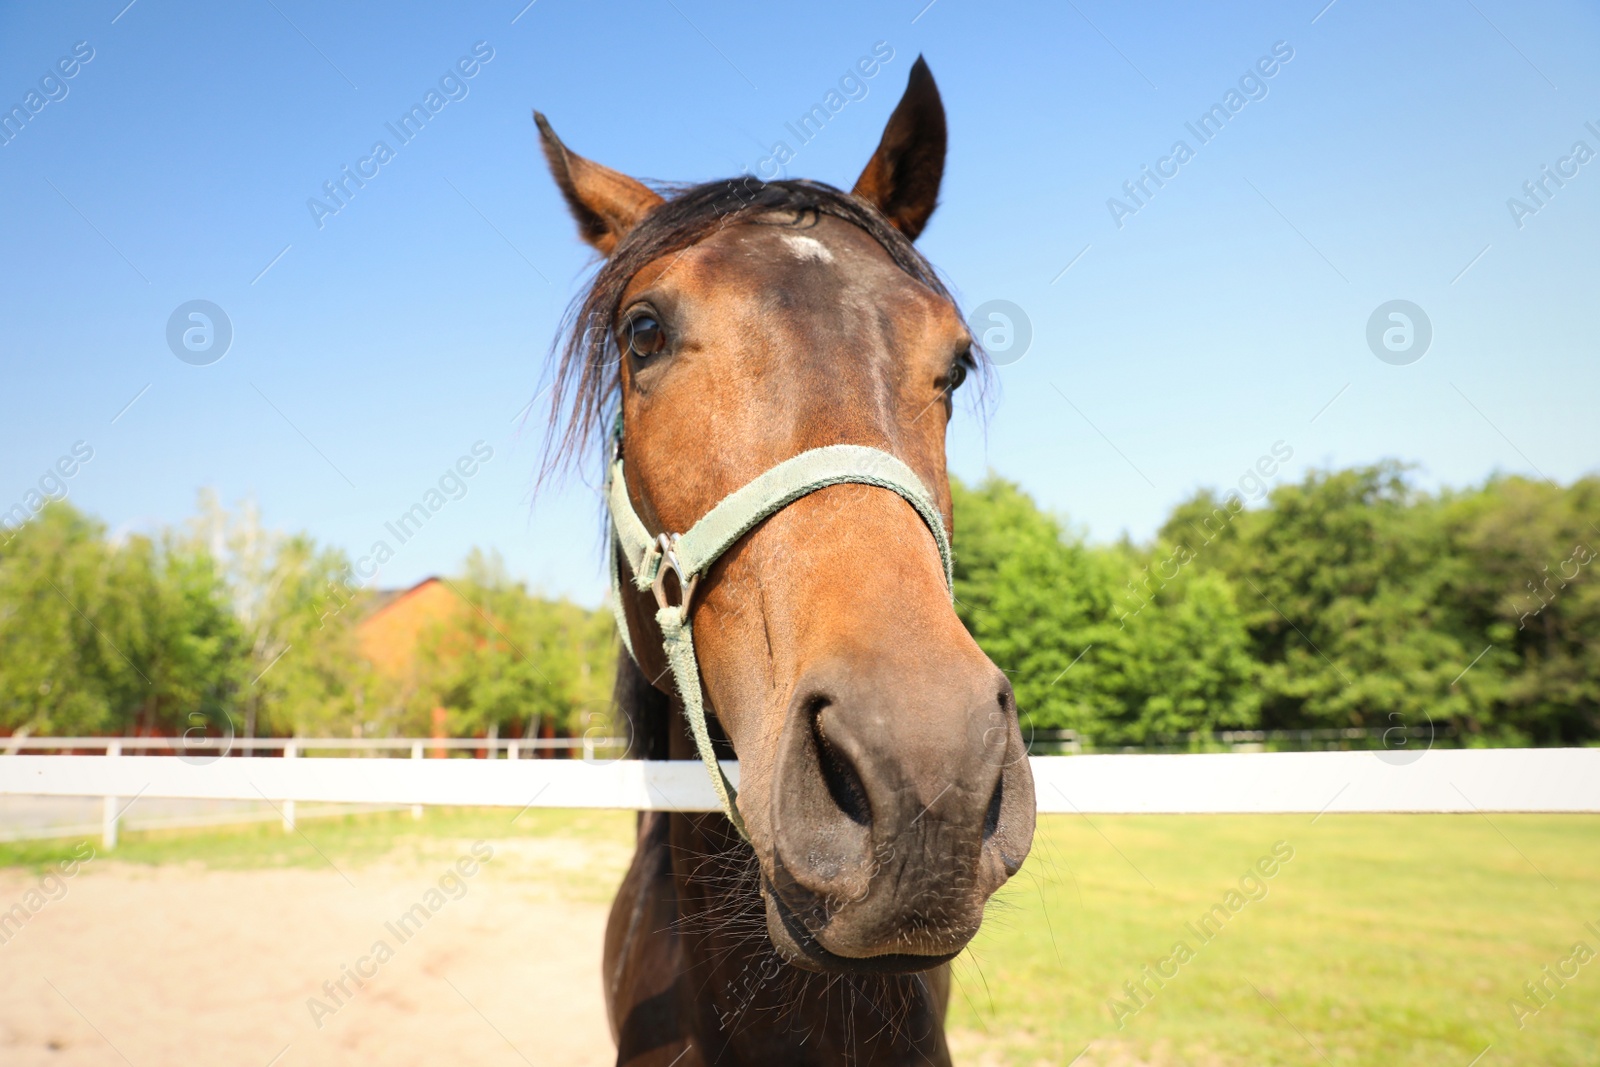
x: 1226, y: 315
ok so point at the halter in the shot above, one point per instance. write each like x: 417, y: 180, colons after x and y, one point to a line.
x: 690, y: 555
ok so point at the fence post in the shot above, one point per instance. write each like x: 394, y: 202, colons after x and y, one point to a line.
x: 588, y: 748
x: 512, y: 748
x: 109, y: 813
x: 289, y: 752
x: 416, y: 753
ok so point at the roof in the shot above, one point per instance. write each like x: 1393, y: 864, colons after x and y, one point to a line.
x: 389, y: 634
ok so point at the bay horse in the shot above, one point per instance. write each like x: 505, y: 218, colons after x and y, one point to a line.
x: 737, y: 331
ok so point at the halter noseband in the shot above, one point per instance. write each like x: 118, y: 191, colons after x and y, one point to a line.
x: 690, y: 555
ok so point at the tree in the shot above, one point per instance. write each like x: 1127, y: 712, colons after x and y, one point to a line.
x: 508, y: 660
x: 180, y: 632
x: 1103, y: 640
x: 1352, y: 587
x: 54, y: 674
x: 1182, y: 664
x: 97, y: 638
x: 1525, y: 556
x: 1035, y: 600
x: 297, y: 614
x: 1348, y: 599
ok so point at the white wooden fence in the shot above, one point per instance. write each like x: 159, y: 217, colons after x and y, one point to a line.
x: 1316, y: 783
x: 206, y: 750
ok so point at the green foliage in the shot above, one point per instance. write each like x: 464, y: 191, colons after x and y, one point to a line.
x: 233, y: 621
x: 1533, y: 589
x: 1182, y: 664
x: 1347, y: 600
x: 102, y: 637
x: 1374, y: 605
x: 1035, y: 599
x: 1086, y: 641
x: 299, y: 672
x: 510, y: 661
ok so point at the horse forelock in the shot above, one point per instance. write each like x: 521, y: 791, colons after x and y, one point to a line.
x: 584, y: 366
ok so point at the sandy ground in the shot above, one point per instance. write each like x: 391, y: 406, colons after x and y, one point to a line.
x: 148, y: 966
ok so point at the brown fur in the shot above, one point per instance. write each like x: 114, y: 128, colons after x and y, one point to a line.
x: 883, y: 778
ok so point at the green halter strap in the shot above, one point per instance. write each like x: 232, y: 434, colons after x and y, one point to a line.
x: 690, y: 555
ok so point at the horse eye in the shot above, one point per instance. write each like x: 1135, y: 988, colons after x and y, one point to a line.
x: 958, y: 369
x: 645, y: 336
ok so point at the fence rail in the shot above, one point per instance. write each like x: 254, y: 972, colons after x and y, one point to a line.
x: 204, y: 750
x: 1044, y: 742
x: 512, y: 747
x: 1050, y: 742
x: 1317, y: 783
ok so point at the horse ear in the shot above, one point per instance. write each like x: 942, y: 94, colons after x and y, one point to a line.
x: 902, y: 178
x: 607, y: 204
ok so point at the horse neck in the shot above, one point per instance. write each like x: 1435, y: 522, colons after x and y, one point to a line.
x: 751, y: 1006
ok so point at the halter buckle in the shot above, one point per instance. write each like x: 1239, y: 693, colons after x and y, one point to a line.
x: 668, y: 544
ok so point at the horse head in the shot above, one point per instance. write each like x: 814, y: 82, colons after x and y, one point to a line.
x: 884, y: 783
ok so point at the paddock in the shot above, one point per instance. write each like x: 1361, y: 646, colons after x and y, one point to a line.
x: 237, y: 939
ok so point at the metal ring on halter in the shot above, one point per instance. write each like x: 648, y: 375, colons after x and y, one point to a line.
x: 669, y: 561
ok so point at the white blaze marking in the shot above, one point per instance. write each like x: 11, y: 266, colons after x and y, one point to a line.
x: 808, y: 248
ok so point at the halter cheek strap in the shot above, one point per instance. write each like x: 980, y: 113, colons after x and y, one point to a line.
x: 689, y: 555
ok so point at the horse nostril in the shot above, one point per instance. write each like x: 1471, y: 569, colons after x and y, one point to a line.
x: 991, y: 818
x: 838, y: 773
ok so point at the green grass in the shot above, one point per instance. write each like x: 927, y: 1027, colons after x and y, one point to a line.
x: 1385, y: 940
x: 1390, y: 940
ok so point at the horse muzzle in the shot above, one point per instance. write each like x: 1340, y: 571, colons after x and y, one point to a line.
x: 897, y: 810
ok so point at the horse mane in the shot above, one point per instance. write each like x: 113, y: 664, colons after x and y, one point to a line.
x: 585, y: 380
